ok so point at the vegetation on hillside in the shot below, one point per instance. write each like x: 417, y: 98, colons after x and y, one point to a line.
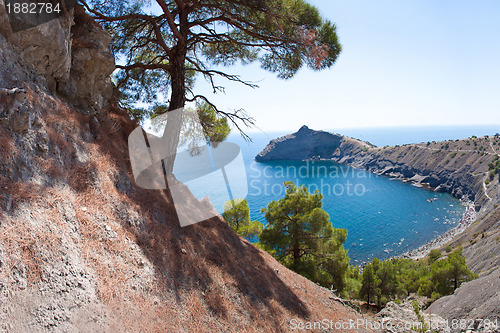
x: 237, y: 215
x: 393, y: 279
x: 300, y: 235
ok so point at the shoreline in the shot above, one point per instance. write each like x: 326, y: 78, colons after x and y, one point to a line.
x: 468, y: 218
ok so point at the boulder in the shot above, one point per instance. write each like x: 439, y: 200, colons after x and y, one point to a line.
x: 403, y: 318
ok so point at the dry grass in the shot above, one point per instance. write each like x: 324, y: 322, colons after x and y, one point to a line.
x: 22, y: 192
x: 28, y: 244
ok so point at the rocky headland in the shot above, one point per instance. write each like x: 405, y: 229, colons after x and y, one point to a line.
x: 458, y: 167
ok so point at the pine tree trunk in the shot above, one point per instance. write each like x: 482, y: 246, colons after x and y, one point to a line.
x: 177, y: 101
x: 178, y: 95
x: 296, y: 246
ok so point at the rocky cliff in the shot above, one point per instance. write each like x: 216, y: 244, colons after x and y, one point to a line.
x: 71, y: 53
x: 82, y: 249
x: 476, y: 303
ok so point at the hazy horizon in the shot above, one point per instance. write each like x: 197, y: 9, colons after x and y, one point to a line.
x: 398, y: 135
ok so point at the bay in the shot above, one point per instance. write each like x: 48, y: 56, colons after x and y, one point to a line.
x: 383, y: 217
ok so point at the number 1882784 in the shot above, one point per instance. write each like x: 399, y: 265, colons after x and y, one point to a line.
x: 33, y: 8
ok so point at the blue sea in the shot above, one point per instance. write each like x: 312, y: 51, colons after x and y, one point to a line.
x: 383, y: 217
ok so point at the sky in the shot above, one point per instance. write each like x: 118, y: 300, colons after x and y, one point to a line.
x: 404, y: 63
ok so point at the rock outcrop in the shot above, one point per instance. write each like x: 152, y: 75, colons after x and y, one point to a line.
x: 71, y: 52
x: 47, y: 47
x: 402, y: 318
x: 302, y: 145
x: 476, y: 303
x: 89, y: 84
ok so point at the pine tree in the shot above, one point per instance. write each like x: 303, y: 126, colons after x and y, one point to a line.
x: 447, y: 275
x: 300, y: 235
x: 164, y: 51
x: 237, y: 215
x: 369, y: 285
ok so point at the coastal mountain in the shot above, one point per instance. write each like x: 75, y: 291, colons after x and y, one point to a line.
x: 308, y: 144
x: 82, y: 248
x: 464, y: 168
x: 459, y: 167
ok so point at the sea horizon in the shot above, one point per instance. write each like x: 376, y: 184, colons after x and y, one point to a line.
x: 393, y: 135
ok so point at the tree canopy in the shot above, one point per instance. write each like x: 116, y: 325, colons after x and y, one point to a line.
x: 447, y: 275
x: 300, y: 235
x: 165, y: 44
x: 391, y: 279
x: 237, y: 215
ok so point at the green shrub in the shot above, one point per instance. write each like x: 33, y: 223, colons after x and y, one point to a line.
x: 435, y: 296
x: 434, y: 255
